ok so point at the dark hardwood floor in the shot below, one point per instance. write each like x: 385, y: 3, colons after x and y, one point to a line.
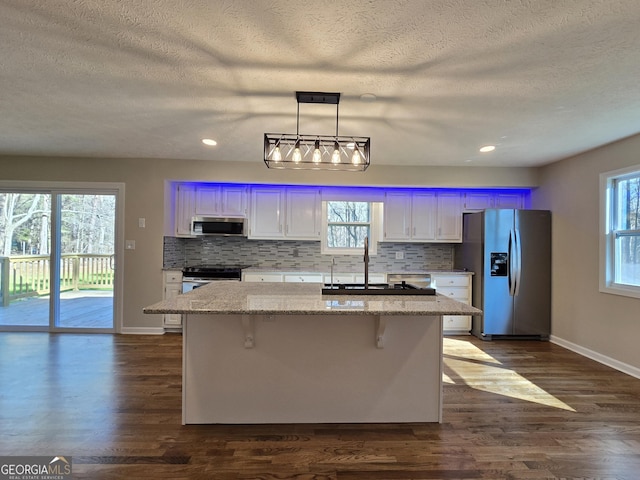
x: 512, y: 410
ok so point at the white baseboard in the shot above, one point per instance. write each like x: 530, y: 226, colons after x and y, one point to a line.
x: 142, y: 331
x: 598, y: 357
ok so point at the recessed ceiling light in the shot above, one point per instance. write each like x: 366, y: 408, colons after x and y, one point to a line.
x: 368, y: 97
x: 209, y: 141
x: 487, y: 148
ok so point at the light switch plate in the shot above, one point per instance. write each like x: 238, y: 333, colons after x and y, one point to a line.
x: 399, y: 255
x: 141, y: 222
x: 130, y: 244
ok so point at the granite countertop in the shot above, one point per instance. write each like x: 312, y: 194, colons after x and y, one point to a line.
x: 302, y: 298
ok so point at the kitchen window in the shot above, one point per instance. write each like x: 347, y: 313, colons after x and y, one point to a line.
x: 620, y: 232
x: 346, y: 224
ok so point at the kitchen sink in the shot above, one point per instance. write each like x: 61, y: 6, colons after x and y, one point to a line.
x: 402, y: 288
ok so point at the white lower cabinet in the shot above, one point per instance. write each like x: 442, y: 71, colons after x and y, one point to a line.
x: 458, y: 287
x: 172, y: 283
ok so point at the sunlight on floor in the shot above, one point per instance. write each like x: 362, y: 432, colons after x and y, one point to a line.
x: 483, y: 372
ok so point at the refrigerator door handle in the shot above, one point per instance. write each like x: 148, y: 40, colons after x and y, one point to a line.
x: 512, y: 263
x: 518, y: 261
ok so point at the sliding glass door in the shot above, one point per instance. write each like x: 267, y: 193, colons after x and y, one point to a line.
x: 25, y: 259
x: 87, y: 261
x: 57, y: 263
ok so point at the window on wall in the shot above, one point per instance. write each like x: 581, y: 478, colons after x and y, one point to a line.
x: 345, y: 226
x: 620, y: 232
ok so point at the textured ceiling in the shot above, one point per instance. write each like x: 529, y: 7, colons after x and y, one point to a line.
x: 541, y: 79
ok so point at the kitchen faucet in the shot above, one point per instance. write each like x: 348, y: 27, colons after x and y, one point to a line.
x: 366, y: 262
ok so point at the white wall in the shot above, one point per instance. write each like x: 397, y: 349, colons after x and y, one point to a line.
x: 599, y: 324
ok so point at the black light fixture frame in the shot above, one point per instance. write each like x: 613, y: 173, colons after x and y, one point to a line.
x: 280, y: 148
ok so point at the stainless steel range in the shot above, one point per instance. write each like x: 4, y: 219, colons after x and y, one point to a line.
x: 198, y: 275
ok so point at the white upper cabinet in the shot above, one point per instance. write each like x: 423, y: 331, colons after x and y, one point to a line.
x: 285, y: 213
x: 185, y: 208
x: 303, y: 214
x: 266, y: 218
x: 223, y: 201
x: 449, y: 221
x: 422, y: 217
x: 475, y: 201
x: 397, y: 216
x: 509, y: 200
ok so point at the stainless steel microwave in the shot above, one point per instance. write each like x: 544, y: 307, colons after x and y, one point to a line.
x: 225, y: 226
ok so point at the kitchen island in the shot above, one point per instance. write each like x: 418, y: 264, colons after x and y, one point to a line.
x: 285, y: 353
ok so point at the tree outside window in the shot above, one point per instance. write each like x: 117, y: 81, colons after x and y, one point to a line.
x: 346, y: 224
x: 626, y: 230
x: 620, y: 232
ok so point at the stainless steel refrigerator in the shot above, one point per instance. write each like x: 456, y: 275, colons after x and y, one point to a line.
x: 509, y: 252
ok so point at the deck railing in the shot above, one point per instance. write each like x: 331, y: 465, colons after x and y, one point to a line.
x: 29, y: 275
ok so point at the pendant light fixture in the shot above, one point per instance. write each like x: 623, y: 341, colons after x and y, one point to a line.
x: 316, y: 152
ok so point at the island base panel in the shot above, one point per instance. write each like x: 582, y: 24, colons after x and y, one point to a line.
x: 312, y: 369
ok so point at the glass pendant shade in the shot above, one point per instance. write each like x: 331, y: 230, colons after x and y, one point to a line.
x: 317, y: 154
x: 356, y: 159
x: 276, y: 155
x: 335, y: 157
x: 297, y: 155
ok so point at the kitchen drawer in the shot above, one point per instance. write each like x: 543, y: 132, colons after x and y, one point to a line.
x: 303, y: 278
x: 460, y: 324
x: 339, y: 278
x: 262, y: 277
x: 451, y: 280
x: 173, y: 277
x: 460, y: 294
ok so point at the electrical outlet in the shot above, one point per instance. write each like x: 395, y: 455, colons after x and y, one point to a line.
x: 141, y: 222
x: 399, y: 255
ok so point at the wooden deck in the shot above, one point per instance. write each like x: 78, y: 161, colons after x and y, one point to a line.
x: 79, y: 309
x: 512, y: 410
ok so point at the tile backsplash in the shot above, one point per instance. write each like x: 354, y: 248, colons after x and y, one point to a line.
x: 285, y: 254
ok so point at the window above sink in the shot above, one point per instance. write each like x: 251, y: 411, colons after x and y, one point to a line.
x: 345, y: 225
